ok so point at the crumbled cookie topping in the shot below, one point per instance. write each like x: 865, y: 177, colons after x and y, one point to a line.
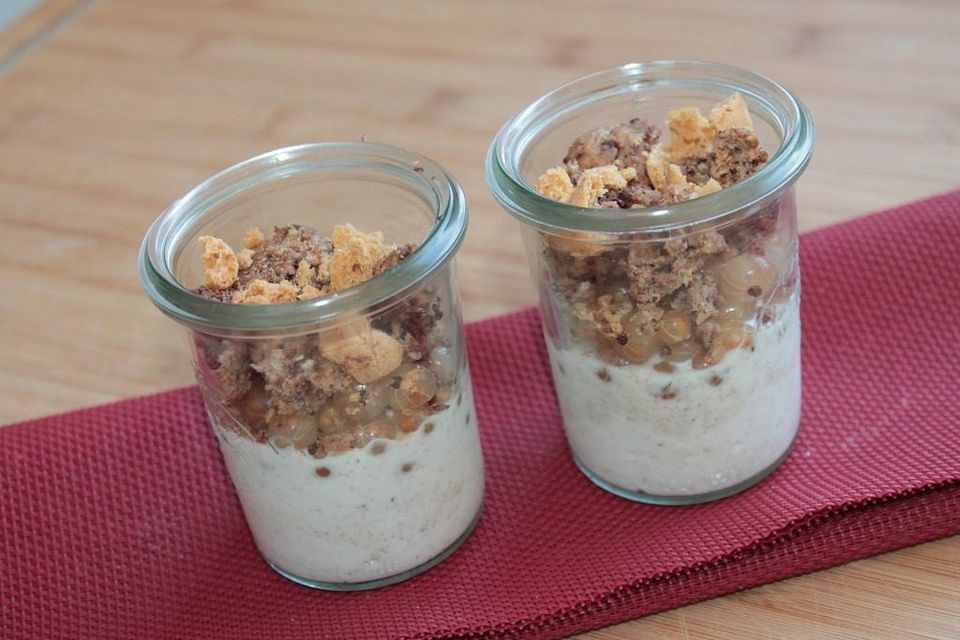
x: 626, y: 166
x: 685, y: 298
x: 330, y: 392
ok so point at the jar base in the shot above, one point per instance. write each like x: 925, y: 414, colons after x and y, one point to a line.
x: 678, y: 501
x: 381, y: 582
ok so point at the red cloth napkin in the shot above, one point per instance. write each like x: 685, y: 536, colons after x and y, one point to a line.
x: 120, y: 521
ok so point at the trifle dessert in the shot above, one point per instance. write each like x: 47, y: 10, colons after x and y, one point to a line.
x: 352, y: 441
x: 674, y: 348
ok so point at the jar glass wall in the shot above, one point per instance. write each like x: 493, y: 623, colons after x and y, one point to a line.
x: 346, y: 421
x: 673, y: 331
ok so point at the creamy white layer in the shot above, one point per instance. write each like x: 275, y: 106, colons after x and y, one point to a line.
x: 369, y: 518
x: 707, y: 437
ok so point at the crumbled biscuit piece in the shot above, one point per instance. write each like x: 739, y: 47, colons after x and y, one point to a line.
x: 263, y: 292
x: 355, y: 256
x: 613, y: 177
x: 672, y: 180
x: 712, y: 186
x: 736, y: 155
x: 303, y: 382
x: 393, y: 258
x: 309, y: 292
x: 690, y: 133
x: 731, y: 113
x: 588, y: 191
x: 220, y: 264
x: 594, y: 183
x: 622, y: 145
x: 367, y: 355
x: 245, y: 258
x: 304, y: 275
x: 253, y: 238
x: 555, y: 184
x: 656, y: 166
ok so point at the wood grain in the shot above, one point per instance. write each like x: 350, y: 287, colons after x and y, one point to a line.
x: 103, y: 122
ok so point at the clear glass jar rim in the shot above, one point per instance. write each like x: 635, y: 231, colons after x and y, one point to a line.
x: 440, y: 189
x: 523, y: 202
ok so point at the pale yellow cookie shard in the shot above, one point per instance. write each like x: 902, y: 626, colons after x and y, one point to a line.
x: 711, y: 186
x: 593, y: 183
x: 220, y: 263
x: 355, y: 256
x: 690, y: 133
x: 611, y: 177
x: 555, y: 184
x: 304, y: 275
x: 730, y: 113
x: 588, y: 191
x: 245, y: 258
x: 253, y: 238
x: 656, y: 166
x: 263, y: 292
x: 309, y: 292
x: 367, y: 354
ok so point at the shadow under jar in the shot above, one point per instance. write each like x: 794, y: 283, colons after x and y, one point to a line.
x: 673, y: 331
x: 346, y: 421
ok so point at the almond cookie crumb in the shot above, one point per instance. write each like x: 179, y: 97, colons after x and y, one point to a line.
x: 367, y: 355
x: 253, y: 238
x: 304, y: 275
x: 355, y: 256
x: 245, y: 258
x: 220, y: 264
x: 690, y: 133
x: 555, y: 184
x: 263, y: 292
x: 731, y: 113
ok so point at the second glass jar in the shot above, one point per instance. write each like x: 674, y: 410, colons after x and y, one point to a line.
x: 673, y: 332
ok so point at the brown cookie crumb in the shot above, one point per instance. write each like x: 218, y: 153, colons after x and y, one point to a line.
x: 407, y: 467
x: 323, y: 472
x: 736, y: 155
x: 604, y: 375
x: 622, y: 145
x: 664, y: 367
x: 716, y: 380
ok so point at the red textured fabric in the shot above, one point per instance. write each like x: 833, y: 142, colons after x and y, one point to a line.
x: 120, y: 521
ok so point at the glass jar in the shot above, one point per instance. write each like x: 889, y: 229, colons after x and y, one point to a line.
x: 673, y: 331
x: 347, y: 421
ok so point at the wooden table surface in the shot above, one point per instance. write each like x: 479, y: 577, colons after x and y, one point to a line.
x: 111, y: 108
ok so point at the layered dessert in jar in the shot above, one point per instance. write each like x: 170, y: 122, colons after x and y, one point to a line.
x: 354, y: 449
x: 672, y: 324
x: 317, y: 286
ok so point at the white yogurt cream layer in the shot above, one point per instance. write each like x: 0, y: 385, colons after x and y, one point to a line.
x: 706, y: 437
x: 374, y: 515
